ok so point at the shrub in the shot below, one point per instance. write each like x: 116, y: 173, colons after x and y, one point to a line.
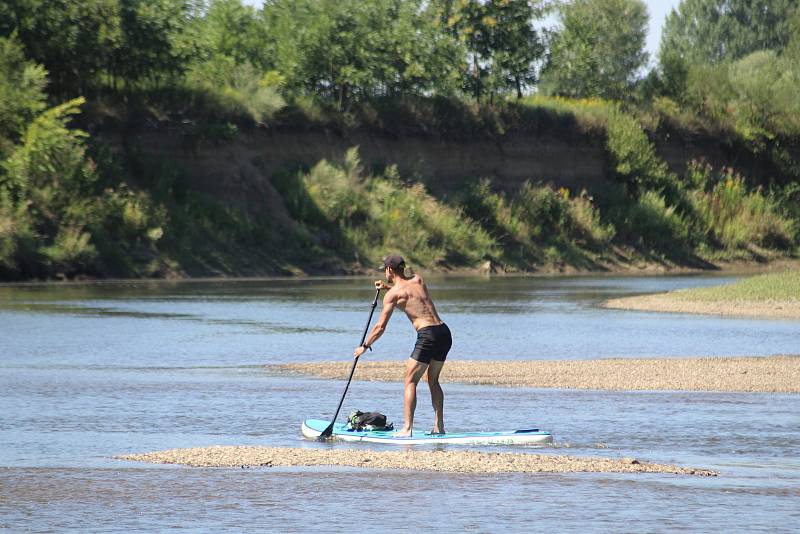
x: 364, y: 216
x: 22, y: 94
x: 735, y: 217
x: 238, y: 88
x: 656, y: 225
x: 62, y: 218
x: 494, y: 212
x: 551, y: 216
x: 544, y: 211
x: 537, y: 219
x: 633, y: 157
x: 70, y: 250
x: 587, y: 223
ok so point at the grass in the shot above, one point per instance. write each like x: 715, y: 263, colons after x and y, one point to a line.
x: 784, y: 286
x: 360, y: 217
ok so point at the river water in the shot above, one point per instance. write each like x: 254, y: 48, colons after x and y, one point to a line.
x: 91, y: 371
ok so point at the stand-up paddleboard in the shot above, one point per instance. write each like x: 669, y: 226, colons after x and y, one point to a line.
x: 312, y: 428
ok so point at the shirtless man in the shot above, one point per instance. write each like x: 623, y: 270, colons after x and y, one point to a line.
x: 410, y: 294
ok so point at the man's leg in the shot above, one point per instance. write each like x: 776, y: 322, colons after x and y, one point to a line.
x: 437, y: 395
x: 414, y: 371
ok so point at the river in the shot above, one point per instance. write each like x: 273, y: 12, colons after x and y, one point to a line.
x: 91, y: 371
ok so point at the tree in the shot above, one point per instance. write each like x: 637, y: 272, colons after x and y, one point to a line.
x: 72, y: 39
x: 516, y: 44
x: 713, y: 31
x: 349, y: 50
x: 765, y: 99
x: 21, y: 92
x: 599, y: 49
x: 232, y: 29
x: 159, y: 38
x: 501, y: 44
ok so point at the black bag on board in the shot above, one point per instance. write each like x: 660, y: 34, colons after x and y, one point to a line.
x: 368, y: 421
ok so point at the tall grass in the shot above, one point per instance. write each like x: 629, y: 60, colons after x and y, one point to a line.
x: 591, y: 113
x: 703, y: 211
x: 237, y: 89
x: 538, y: 223
x: 363, y: 217
x: 736, y: 217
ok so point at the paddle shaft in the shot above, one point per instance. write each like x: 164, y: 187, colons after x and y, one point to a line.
x: 328, y: 431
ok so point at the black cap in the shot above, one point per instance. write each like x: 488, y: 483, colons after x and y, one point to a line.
x: 394, y: 261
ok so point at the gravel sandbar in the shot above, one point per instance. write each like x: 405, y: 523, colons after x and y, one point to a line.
x: 445, y: 461
x: 674, y: 302
x: 773, y: 374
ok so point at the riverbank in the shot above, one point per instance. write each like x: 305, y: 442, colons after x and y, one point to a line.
x: 775, y: 374
x: 240, y: 208
x: 443, y: 461
x: 632, y: 268
x: 772, y: 295
x: 668, y: 302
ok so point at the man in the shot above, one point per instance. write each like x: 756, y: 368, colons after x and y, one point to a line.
x: 410, y: 294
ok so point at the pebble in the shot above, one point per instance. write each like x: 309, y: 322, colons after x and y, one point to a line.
x: 442, y: 461
x: 773, y: 374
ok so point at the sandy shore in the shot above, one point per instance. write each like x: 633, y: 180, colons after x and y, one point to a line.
x: 776, y: 374
x: 674, y: 302
x: 446, y: 461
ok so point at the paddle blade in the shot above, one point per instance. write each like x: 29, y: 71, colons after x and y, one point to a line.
x: 326, y: 434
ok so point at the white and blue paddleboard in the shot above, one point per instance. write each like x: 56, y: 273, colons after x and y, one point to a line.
x: 313, y: 428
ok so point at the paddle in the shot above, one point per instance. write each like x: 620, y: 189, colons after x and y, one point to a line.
x: 328, y: 431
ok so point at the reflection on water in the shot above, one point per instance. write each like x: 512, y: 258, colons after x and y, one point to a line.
x: 92, y: 371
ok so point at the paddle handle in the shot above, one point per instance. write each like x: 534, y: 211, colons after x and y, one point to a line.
x: 369, y: 320
x: 328, y: 431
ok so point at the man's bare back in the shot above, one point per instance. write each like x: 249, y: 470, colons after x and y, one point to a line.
x: 412, y: 297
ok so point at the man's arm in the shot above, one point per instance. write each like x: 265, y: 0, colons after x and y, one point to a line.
x: 389, y: 303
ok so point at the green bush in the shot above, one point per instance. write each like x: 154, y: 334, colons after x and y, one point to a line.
x: 551, y: 216
x: 735, y: 217
x: 22, y: 94
x: 656, y: 226
x: 56, y: 215
x: 237, y: 88
x: 536, y: 222
x: 494, y: 212
x: 587, y: 223
x: 633, y: 157
x: 365, y: 216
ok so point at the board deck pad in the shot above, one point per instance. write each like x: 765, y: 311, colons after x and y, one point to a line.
x: 313, y: 428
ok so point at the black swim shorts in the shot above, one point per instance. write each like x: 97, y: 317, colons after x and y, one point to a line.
x: 433, y: 343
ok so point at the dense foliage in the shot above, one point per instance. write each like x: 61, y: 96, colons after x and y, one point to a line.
x: 461, y: 69
x: 599, y: 50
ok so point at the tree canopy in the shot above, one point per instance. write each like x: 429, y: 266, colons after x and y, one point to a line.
x: 714, y: 31
x: 599, y: 50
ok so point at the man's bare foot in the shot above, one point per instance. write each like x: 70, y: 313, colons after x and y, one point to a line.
x: 403, y: 433
x: 435, y: 432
